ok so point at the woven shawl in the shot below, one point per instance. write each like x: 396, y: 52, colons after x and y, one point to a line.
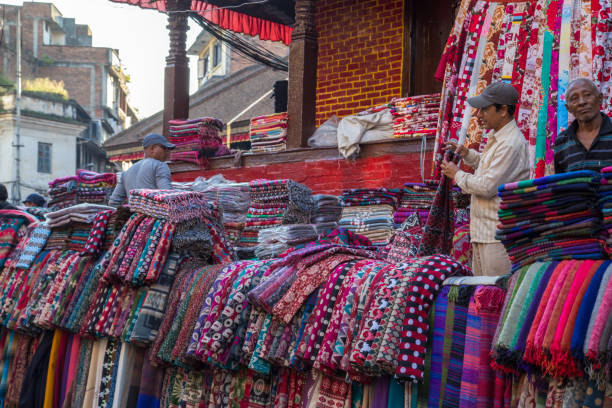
x: 455, y: 366
x: 489, y: 302
x: 586, y: 309
x: 437, y: 345
x: 471, y: 357
x: 36, y: 243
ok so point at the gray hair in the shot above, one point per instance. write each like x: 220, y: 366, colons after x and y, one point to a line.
x: 581, y: 81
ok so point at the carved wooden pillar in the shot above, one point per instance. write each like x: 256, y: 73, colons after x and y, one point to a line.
x: 302, y: 75
x: 176, y: 79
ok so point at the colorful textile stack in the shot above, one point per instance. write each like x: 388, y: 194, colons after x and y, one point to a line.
x: 551, y: 218
x: 415, y: 116
x: 537, y: 46
x: 326, y: 213
x: 275, y: 202
x: 63, y: 192
x: 84, y: 213
x: 605, y: 203
x: 233, y: 201
x: 94, y: 187
x: 556, y: 319
x: 416, y: 198
x: 272, y: 242
x: 196, y: 139
x: 369, y: 212
x: 173, y: 206
x: 269, y: 133
x: 86, y: 187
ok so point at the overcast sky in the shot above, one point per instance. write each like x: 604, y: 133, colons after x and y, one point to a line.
x: 141, y: 38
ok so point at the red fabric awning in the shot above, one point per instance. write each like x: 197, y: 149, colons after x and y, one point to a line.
x: 228, y: 19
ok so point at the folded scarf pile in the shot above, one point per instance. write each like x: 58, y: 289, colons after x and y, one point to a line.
x: 326, y: 212
x: 274, y: 241
x: 94, y: 187
x: 551, y: 218
x: 196, y: 139
x: 62, y: 192
x: 84, y: 213
x: 233, y: 201
x: 557, y: 319
x: 319, y: 306
x: 170, y: 205
x: 269, y: 133
x: 416, y: 198
x: 605, y: 203
x: 415, y: 116
x: 85, y: 187
x: 275, y: 202
x: 369, y: 212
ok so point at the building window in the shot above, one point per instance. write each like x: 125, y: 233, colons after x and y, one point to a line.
x: 216, y: 54
x: 203, y: 67
x: 44, y: 157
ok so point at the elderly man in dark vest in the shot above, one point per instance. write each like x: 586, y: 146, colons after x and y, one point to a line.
x: 587, y: 142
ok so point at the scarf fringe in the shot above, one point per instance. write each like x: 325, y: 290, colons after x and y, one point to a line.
x: 453, y: 294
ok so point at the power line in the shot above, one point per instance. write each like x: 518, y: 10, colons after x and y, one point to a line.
x: 251, y: 51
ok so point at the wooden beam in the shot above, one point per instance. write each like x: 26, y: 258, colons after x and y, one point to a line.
x: 407, y: 50
x: 302, y: 75
x: 373, y: 149
x: 176, y: 76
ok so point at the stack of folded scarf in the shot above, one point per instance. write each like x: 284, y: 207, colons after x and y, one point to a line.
x: 84, y: 213
x: 326, y: 212
x: 274, y: 241
x: 275, y: 202
x: 196, y: 139
x: 415, y: 116
x: 557, y: 320
x: 269, y: 133
x: 605, y: 202
x: 94, y: 187
x: 369, y: 212
x: 233, y: 201
x: 63, y: 192
x: 416, y: 198
x: 171, y: 205
x: 551, y: 218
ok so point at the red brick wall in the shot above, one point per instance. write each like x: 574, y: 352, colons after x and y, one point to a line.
x: 360, y: 55
x: 330, y: 176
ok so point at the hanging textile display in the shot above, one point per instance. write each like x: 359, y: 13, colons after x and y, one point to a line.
x: 538, y: 46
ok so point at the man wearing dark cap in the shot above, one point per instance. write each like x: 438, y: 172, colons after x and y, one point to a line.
x: 152, y: 172
x: 505, y: 159
x: 34, y: 200
x: 587, y: 142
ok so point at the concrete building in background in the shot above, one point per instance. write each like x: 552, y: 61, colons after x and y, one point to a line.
x: 51, y: 132
x: 56, y: 47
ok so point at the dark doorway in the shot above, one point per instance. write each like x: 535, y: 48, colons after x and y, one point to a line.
x: 427, y: 25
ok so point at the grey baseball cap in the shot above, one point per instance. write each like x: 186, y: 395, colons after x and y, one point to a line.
x: 498, y: 92
x: 155, y: 138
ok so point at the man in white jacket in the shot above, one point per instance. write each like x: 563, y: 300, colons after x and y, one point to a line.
x: 505, y: 159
